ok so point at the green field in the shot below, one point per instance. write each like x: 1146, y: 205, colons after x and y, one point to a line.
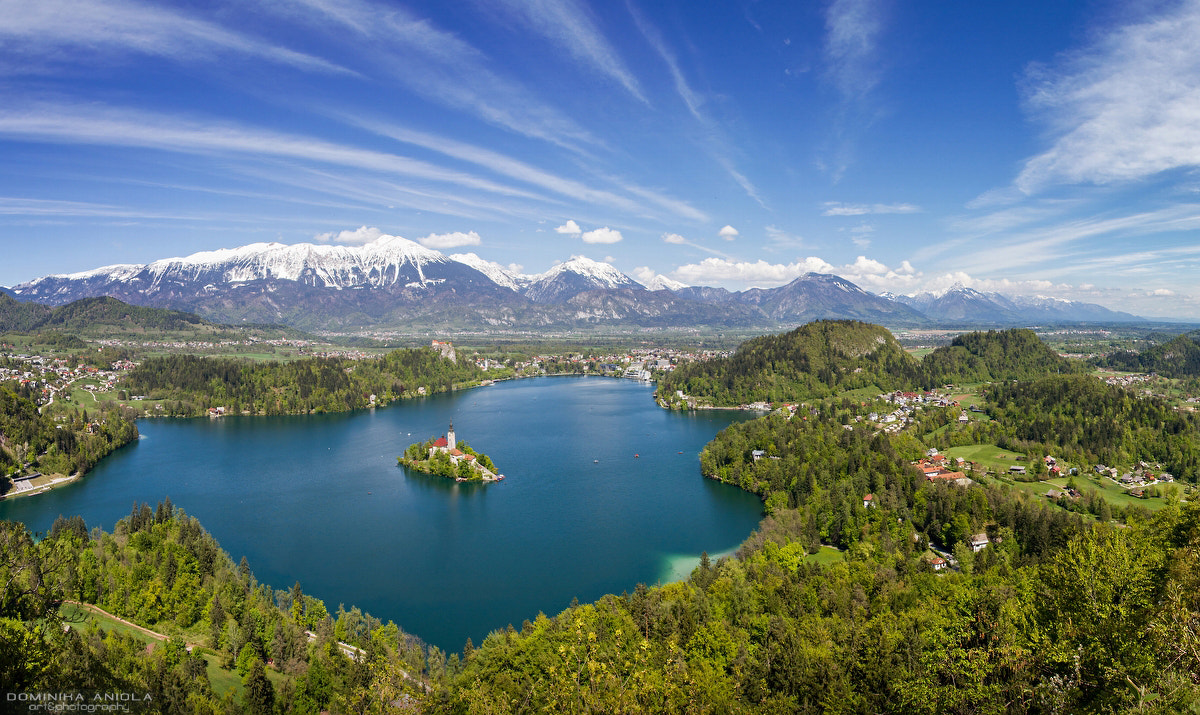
x: 862, y: 394
x: 989, y: 456
x: 80, y: 618
x: 1114, y: 494
x: 999, y: 460
x: 827, y: 555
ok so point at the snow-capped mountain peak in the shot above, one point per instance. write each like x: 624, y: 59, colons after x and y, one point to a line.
x: 661, y: 282
x: 604, y: 275
x: 388, y: 260
x: 500, y: 275
x: 575, y: 276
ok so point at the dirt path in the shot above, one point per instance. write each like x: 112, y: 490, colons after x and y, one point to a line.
x: 118, y: 619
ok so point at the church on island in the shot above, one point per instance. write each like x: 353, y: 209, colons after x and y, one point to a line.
x: 465, y: 464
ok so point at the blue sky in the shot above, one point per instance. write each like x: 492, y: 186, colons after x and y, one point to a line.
x: 1027, y: 147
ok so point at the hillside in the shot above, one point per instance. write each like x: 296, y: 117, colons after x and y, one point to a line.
x: 189, y: 385
x: 32, y: 442
x: 1178, y: 357
x: 1016, y: 354
x: 824, y: 358
x: 815, y: 360
x: 88, y: 313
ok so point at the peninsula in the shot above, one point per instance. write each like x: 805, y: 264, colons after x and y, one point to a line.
x: 447, y: 457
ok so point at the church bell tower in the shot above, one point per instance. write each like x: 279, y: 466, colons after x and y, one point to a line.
x: 450, y: 436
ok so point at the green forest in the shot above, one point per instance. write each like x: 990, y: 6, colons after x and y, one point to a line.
x: 827, y: 357
x: 1178, y: 357
x: 189, y: 385
x: 835, y: 604
x: 88, y: 313
x: 1057, y: 614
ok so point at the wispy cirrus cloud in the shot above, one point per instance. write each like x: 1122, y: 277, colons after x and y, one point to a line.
x: 16, y: 206
x: 851, y: 58
x: 718, y: 145
x: 782, y: 240
x: 853, y: 28
x: 51, y: 31
x: 1057, y: 247
x: 678, y: 240
x: 441, y: 67
x: 122, y: 127
x: 527, y: 173
x: 1125, y: 107
x: 837, y: 208
x: 570, y: 25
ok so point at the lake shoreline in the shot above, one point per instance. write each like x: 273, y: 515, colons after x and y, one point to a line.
x: 319, y: 499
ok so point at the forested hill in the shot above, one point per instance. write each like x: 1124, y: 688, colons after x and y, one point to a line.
x: 189, y: 385
x: 815, y: 360
x: 87, y: 313
x: 72, y: 445
x: 1179, y: 357
x: 1017, y: 354
x: 160, y: 569
x: 824, y: 358
x: 1055, y: 614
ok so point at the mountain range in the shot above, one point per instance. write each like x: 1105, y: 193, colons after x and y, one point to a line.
x: 962, y: 304
x: 394, y: 283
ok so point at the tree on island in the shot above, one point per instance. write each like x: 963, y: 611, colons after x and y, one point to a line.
x: 434, y: 458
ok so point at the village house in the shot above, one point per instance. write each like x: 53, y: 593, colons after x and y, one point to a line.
x: 978, y: 542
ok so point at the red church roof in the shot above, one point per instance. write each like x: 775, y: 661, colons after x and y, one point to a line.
x: 441, y: 442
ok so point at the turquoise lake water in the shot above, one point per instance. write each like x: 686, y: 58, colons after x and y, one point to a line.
x: 320, y: 499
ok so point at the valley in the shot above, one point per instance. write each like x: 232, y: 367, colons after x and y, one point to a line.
x: 987, y: 462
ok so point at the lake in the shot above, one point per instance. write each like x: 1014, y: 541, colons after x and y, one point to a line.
x: 603, y: 490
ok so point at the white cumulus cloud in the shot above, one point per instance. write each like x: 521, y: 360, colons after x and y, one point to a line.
x: 450, y: 240
x: 867, y: 273
x: 728, y: 233
x: 602, y: 235
x: 758, y: 273
x: 357, y: 237
x: 643, y: 274
x: 570, y: 228
x: 673, y: 238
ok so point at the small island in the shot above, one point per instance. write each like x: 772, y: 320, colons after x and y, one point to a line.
x: 447, y: 457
